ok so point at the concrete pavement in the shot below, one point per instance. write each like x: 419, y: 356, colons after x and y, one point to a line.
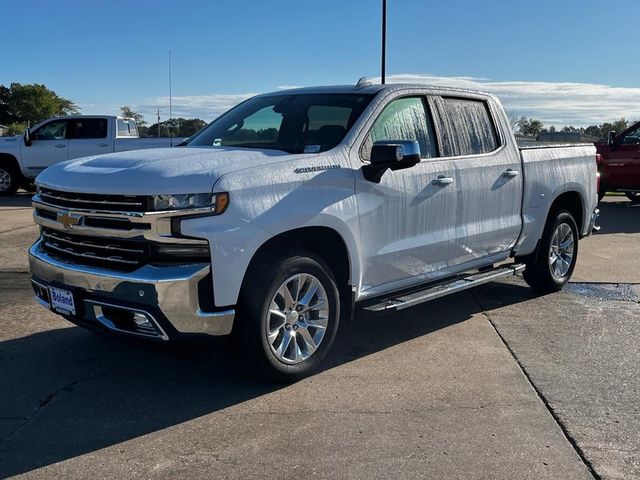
x: 439, y: 391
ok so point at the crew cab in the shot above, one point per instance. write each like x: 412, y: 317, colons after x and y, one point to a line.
x: 59, y: 139
x: 619, y: 166
x: 296, y: 208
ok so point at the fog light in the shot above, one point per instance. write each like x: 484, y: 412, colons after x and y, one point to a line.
x: 141, y: 320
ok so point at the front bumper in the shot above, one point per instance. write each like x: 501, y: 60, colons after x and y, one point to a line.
x: 154, y: 301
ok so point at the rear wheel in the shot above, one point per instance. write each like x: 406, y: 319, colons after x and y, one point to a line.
x: 290, y: 309
x: 552, y: 267
x: 633, y: 196
x: 9, y: 179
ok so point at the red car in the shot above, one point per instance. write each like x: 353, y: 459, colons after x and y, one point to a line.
x: 619, y: 164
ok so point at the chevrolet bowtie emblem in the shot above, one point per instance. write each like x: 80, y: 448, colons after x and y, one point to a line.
x: 67, y: 219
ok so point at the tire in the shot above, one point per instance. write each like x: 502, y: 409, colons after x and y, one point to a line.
x: 633, y: 196
x: 10, y: 179
x: 551, y: 268
x: 275, y: 342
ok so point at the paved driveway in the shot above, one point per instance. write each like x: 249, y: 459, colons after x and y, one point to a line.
x: 491, y: 383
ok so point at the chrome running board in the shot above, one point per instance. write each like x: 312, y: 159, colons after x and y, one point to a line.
x: 432, y: 293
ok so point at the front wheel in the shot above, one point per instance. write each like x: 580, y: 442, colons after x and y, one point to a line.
x: 552, y: 267
x: 290, y: 310
x: 633, y: 196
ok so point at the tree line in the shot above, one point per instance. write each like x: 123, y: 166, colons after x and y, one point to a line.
x: 24, y: 105
x: 531, y: 127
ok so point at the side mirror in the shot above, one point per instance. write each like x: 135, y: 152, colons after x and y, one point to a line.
x: 391, y: 155
x: 27, y: 137
x: 611, y: 138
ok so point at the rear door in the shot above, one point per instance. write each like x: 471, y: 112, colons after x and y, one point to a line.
x: 624, y: 160
x: 488, y: 176
x: 87, y: 136
x: 48, y: 146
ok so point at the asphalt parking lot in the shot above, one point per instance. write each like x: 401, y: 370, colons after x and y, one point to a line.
x: 491, y: 383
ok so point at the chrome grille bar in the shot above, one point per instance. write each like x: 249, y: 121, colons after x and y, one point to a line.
x: 70, y: 251
x: 53, y: 236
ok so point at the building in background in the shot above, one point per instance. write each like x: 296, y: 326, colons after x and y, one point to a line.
x: 3, y: 129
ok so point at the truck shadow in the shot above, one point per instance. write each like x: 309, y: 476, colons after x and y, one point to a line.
x: 20, y: 199
x: 68, y: 392
x: 619, y: 217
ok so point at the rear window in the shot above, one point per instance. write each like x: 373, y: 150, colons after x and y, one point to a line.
x: 468, y: 128
x: 127, y: 128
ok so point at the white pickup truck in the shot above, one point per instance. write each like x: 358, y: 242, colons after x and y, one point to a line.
x: 59, y: 139
x: 295, y: 208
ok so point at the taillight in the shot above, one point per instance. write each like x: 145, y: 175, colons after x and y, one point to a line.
x: 598, y: 163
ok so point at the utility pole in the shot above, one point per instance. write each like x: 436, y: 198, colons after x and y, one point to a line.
x: 384, y: 39
x: 158, y: 113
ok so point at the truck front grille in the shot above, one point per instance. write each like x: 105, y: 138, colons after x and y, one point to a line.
x: 89, y: 201
x: 111, y: 253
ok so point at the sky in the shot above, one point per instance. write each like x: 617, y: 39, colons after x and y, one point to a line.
x: 561, y: 61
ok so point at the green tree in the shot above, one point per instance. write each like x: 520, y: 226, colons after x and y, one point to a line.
x: 32, y: 103
x: 529, y: 126
x: 128, y: 112
x: 176, y: 127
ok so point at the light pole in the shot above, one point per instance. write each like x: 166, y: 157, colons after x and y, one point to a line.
x: 384, y: 38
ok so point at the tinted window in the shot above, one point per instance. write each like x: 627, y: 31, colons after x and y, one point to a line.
x: 403, y: 119
x: 303, y: 123
x: 51, y: 131
x: 87, y: 128
x: 632, y: 137
x: 127, y: 128
x: 468, y: 128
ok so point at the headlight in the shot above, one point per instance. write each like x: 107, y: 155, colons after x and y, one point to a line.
x: 217, y: 202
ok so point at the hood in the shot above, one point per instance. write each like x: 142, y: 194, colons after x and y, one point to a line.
x: 154, y: 171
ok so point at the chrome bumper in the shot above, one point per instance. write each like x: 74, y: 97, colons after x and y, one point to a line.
x: 160, y: 294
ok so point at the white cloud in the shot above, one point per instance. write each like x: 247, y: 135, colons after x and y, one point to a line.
x: 559, y: 103
x: 554, y: 103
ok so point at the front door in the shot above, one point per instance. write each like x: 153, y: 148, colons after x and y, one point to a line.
x: 48, y: 146
x: 408, y: 220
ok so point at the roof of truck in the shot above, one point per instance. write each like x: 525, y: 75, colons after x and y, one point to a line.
x: 372, y: 89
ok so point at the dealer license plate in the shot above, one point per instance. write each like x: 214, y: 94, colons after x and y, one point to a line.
x: 62, y: 300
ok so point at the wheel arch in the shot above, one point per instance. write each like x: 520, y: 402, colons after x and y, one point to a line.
x: 323, y: 241
x: 9, y: 159
x: 573, y: 202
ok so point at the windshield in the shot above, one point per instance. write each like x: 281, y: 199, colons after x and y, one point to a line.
x: 308, y: 123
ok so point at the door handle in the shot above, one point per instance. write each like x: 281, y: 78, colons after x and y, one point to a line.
x: 60, y: 145
x: 442, y: 180
x: 510, y: 173
x: 103, y: 144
